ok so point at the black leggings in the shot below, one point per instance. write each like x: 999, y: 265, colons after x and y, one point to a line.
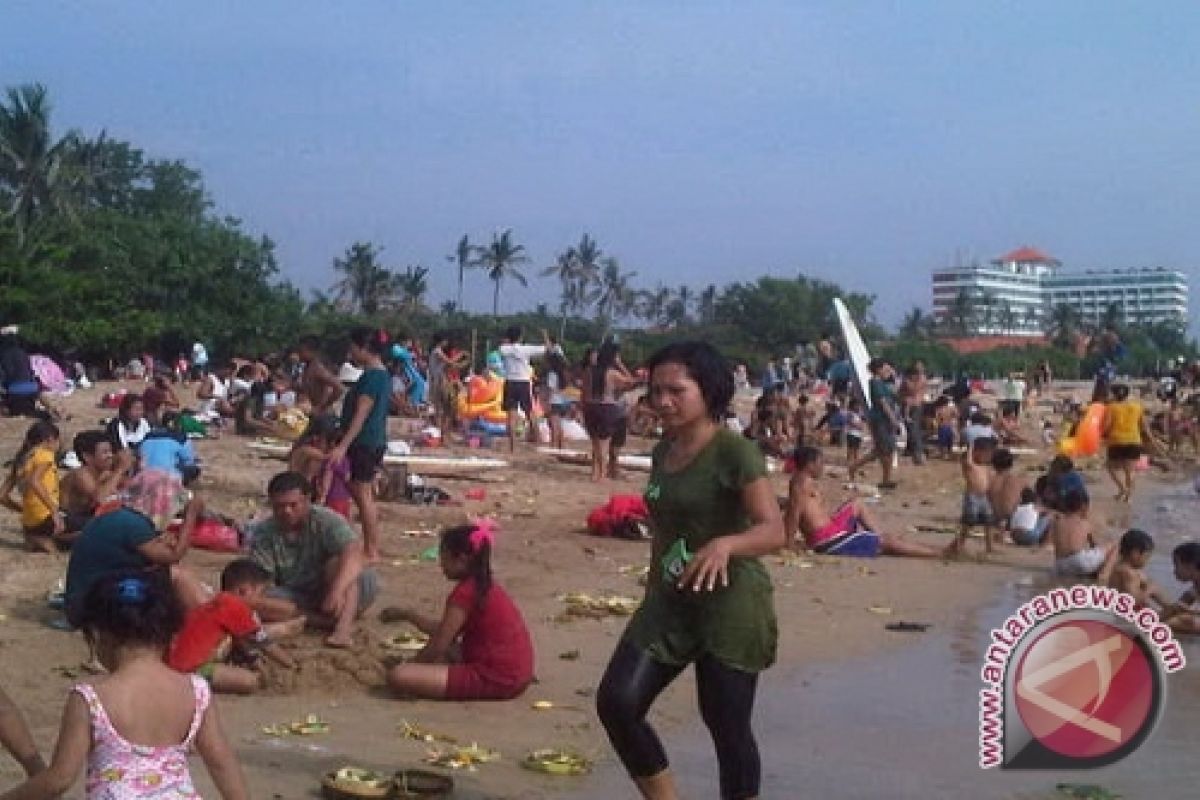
x: 634, y: 680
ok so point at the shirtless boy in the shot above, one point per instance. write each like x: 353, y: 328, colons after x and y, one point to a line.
x: 977, y: 478
x: 97, y: 480
x: 320, y: 386
x: 850, y: 531
x: 1125, y: 574
x: 1004, y: 490
x: 1075, y: 551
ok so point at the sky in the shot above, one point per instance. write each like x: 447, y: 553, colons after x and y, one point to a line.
x: 861, y: 142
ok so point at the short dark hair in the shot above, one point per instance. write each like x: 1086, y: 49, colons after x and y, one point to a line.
x: 513, y: 333
x: 86, y: 442
x: 1028, y: 496
x: 1074, y: 500
x: 133, y: 607
x: 1135, y: 540
x: 243, y: 572
x: 1061, y: 465
x: 373, y: 340
x: 286, y: 482
x: 309, y: 342
x: 986, y: 443
x: 706, y: 366
x: 1188, y: 553
x: 805, y: 455
x: 1119, y: 391
x: 875, y: 364
x: 1002, y: 459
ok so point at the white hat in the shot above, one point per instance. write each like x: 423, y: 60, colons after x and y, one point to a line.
x: 349, y: 373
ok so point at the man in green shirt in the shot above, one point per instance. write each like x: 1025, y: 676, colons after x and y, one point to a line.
x: 315, y: 560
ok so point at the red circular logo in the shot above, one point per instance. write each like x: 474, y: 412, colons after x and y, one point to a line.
x: 1085, y: 688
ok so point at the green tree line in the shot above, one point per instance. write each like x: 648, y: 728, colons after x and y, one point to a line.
x: 106, y: 252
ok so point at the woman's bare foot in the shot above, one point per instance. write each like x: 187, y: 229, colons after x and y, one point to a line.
x: 339, y: 640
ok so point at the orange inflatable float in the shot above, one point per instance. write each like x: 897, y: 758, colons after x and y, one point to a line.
x: 481, y: 400
x: 1088, y: 434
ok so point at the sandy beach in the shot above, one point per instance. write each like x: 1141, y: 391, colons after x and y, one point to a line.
x: 832, y: 615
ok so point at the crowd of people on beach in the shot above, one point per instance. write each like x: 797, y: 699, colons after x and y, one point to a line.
x: 129, y: 509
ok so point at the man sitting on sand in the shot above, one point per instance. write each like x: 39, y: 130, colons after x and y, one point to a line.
x: 849, y: 531
x: 315, y: 560
x: 1004, y: 489
x: 96, y: 480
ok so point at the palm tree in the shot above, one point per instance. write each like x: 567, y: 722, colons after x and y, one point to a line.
x: 706, y: 305
x: 616, y: 298
x: 448, y: 308
x: 653, y: 304
x: 1006, y: 317
x: 1063, y: 325
x: 961, y: 312
x: 679, y: 310
x: 463, y: 256
x: 588, y: 257
x: 412, y: 286
x: 916, y: 324
x: 500, y: 260
x: 986, y: 311
x: 35, y: 170
x: 366, y: 286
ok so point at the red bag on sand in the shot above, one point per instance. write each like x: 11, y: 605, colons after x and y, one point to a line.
x: 112, y: 400
x: 213, y: 534
x: 622, y: 515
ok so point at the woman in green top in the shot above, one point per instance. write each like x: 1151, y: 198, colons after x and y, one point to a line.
x: 708, y: 600
x: 364, y: 429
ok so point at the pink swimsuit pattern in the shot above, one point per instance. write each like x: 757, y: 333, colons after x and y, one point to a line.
x: 121, y: 770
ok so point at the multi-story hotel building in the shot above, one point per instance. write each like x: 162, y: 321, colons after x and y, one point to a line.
x: 1014, y: 293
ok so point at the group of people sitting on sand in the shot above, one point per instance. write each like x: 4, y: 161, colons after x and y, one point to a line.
x: 162, y: 635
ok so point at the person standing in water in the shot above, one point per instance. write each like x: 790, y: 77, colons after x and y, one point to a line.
x: 709, y: 599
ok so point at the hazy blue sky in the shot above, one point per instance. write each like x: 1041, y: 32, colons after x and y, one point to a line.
x: 864, y: 142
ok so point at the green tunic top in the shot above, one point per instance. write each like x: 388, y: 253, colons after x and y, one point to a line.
x: 735, y: 624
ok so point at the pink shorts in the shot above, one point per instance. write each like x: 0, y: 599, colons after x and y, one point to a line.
x: 469, y: 682
x: 841, y: 521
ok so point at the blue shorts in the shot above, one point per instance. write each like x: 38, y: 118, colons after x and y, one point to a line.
x: 859, y: 544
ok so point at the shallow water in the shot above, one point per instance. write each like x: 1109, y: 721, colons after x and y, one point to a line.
x: 905, y: 724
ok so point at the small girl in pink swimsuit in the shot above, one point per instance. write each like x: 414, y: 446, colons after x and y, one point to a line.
x: 134, y: 728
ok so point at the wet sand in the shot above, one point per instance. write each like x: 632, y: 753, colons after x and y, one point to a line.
x: 867, y: 726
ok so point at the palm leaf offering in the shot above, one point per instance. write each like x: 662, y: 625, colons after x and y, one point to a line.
x: 557, y: 762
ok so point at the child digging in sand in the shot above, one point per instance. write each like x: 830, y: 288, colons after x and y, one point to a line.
x: 133, y: 728
x: 1124, y: 573
x: 976, y: 508
x: 497, y: 653
x: 1076, y: 554
x: 35, y: 473
x: 1183, y: 616
x: 227, y: 619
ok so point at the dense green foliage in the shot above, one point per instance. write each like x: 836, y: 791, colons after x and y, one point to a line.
x: 106, y: 253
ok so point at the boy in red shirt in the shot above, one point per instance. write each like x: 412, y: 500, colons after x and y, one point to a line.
x: 201, y: 644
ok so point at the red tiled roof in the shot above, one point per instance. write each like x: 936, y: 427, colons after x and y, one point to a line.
x: 1028, y: 254
x: 981, y: 344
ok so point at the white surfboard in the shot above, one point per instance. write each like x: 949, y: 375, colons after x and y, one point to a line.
x: 281, y: 450
x: 582, y: 457
x: 856, y: 351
